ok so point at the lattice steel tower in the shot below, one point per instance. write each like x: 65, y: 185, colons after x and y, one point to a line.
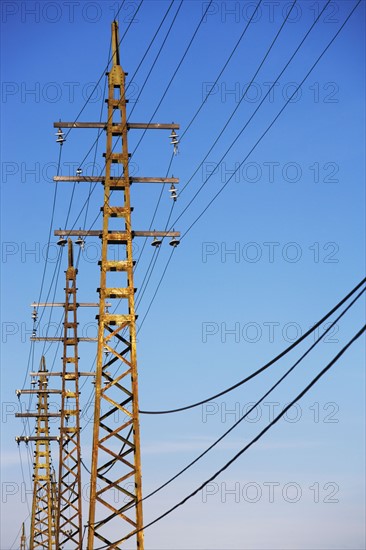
x: 116, y: 449
x: 69, y: 494
x: 43, y: 528
x: 23, y: 539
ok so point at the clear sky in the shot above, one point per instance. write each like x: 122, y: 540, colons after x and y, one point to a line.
x: 281, y: 245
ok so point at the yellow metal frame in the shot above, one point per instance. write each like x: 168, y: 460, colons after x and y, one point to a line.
x: 116, y: 491
x: 43, y: 531
x: 69, y: 510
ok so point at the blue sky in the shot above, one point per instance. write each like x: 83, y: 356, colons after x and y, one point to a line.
x: 279, y: 247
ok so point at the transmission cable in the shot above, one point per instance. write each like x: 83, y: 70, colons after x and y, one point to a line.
x: 260, y: 66
x: 196, y: 114
x: 254, y: 440
x: 100, y: 132
x: 260, y: 435
x: 175, y: 72
x: 221, y: 189
x: 248, y: 121
x: 51, y: 224
x: 22, y: 470
x: 268, y: 128
x: 267, y: 365
x: 245, y: 93
x: 223, y: 69
x: 106, y: 68
x: 252, y: 408
x: 16, y: 538
x: 217, y: 139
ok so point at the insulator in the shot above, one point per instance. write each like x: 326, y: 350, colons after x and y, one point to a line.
x: 80, y: 242
x: 60, y: 136
x: 34, y: 333
x: 174, y: 242
x: 34, y: 315
x: 174, y: 141
x: 62, y: 241
x: 156, y: 242
x: 79, y: 171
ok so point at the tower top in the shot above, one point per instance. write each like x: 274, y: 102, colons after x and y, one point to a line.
x: 115, y: 44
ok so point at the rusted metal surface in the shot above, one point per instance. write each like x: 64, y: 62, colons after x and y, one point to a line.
x: 99, y: 233
x: 130, y: 125
x: 115, y: 180
x: 38, y: 414
x: 69, y: 509
x: 58, y: 339
x: 27, y: 438
x: 60, y: 374
x: 61, y: 304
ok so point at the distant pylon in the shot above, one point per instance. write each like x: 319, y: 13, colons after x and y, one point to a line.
x: 23, y: 539
x: 43, y: 531
x: 69, y: 518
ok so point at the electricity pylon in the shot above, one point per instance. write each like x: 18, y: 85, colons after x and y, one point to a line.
x: 43, y: 528
x: 23, y: 539
x: 69, y: 510
x: 115, y: 512
x: 66, y: 493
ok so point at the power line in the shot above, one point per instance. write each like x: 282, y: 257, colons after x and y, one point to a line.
x: 199, y: 109
x: 155, y: 293
x: 175, y: 72
x: 223, y: 69
x: 267, y: 365
x: 253, y: 407
x: 25, y: 485
x: 260, y: 435
x: 17, y: 536
x: 194, y: 117
x: 221, y: 189
x: 265, y: 132
x: 139, y: 65
x: 106, y: 68
x: 250, y: 118
x: 225, y: 126
x: 51, y: 223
